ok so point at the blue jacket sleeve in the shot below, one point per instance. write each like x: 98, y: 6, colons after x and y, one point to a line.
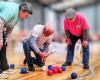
x: 33, y: 44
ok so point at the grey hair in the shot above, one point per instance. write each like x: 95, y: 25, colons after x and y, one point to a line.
x: 70, y: 13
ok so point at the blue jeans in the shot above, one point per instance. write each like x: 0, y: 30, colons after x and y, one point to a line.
x: 28, y: 58
x: 70, y: 53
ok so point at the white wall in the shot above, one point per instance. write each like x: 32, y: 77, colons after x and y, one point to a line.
x: 50, y: 17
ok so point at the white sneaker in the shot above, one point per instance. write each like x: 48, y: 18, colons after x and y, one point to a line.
x: 3, y: 76
x: 43, y: 68
x: 10, y: 71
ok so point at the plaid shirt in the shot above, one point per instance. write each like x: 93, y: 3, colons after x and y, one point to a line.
x: 6, y: 29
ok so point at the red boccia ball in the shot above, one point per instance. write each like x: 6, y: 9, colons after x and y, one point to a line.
x: 55, y: 70
x: 50, y: 72
x: 57, y: 67
x: 59, y: 70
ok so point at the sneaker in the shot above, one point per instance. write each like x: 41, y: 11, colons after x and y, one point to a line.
x: 66, y: 64
x: 86, y: 66
x: 31, y: 69
x: 9, y: 71
x: 3, y: 76
x: 43, y: 68
x: 40, y: 64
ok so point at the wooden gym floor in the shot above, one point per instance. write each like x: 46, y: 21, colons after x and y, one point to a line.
x: 57, y: 59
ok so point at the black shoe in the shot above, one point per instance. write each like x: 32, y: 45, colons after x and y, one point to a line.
x: 66, y: 64
x: 31, y: 69
x: 5, y: 68
x: 86, y: 66
x: 40, y: 64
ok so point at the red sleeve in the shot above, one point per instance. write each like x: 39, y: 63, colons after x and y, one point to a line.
x: 85, y: 24
x: 65, y: 25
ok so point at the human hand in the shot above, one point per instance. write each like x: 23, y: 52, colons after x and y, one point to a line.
x: 68, y: 40
x: 43, y: 55
x: 85, y: 43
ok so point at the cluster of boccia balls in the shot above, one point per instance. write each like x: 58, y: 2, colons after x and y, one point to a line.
x: 51, y: 70
x: 57, y: 69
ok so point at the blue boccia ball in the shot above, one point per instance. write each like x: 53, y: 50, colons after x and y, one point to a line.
x: 12, y: 66
x: 50, y: 67
x: 23, y: 70
x: 63, y: 68
x: 74, y: 75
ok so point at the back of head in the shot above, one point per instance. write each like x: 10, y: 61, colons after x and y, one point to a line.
x: 26, y: 7
x: 70, y: 13
x: 48, y: 30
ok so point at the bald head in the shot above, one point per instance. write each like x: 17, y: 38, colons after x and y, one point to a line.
x: 48, y: 30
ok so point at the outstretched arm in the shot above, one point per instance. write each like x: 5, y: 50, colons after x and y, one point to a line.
x: 33, y: 44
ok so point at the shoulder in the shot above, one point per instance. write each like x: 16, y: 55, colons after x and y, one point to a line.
x: 8, y: 3
x: 9, y: 7
x: 38, y: 27
x: 80, y: 15
x: 65, y: 19
x: 37, y: 30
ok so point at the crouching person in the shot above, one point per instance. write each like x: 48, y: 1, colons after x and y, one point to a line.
x: 38, y: 42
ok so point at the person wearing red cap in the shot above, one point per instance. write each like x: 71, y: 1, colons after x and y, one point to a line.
x: 76, y: 27
x: 38, y: 42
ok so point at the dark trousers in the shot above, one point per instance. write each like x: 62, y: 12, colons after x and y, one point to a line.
x: 3, y: 59
x: 28, y: 58
x: 70, y: 53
